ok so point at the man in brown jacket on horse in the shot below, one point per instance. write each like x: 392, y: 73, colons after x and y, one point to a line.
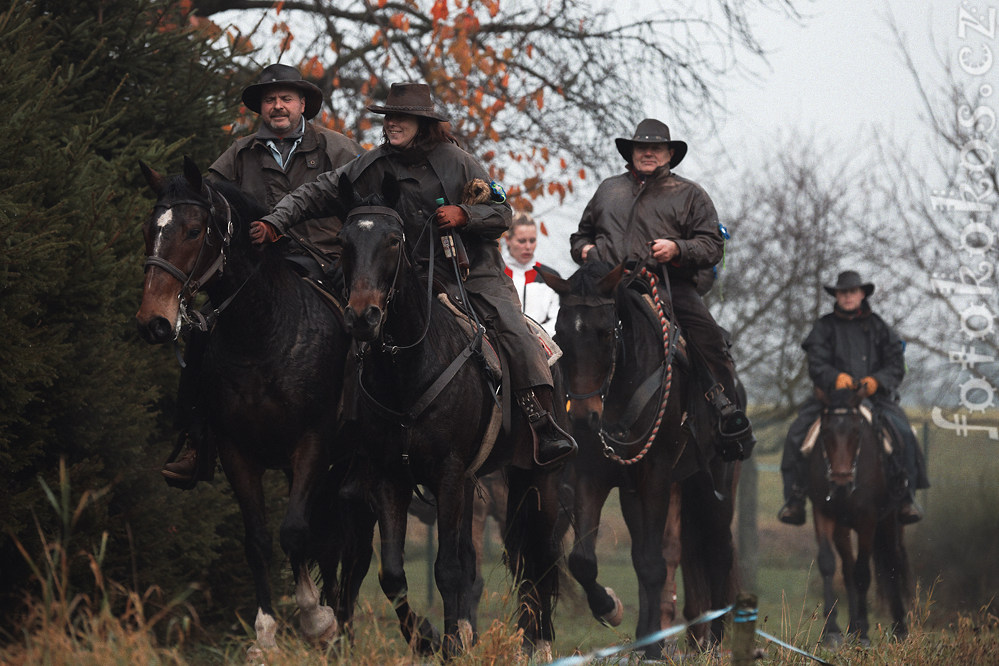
x: 285, y: 152
x: 651, y: 217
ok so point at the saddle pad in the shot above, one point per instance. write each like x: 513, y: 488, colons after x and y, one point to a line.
x: 813, y: 433
x: 552, y: 351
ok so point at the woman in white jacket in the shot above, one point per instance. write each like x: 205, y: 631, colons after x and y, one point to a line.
x: 537, y: 299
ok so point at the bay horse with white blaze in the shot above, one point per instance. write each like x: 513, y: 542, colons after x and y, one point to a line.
x: 426, y: 414
x: 849, y: 493
x: 270, y: 382
x: 634, y: 414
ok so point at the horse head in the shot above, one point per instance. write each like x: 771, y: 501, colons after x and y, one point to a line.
x: 374, y: 250
x: 185, y: 237
x: 588, y: 334
x: 841, y: 436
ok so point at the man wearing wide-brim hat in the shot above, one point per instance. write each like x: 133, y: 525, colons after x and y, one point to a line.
x: 853, y: 348
x: 286, y: 151
x: 653, y: 218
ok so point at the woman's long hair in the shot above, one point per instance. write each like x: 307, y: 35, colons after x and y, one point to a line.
x: 429, y: 133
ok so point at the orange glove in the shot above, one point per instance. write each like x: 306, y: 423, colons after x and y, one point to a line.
x: 870, y: 384
x: 845, y: 381
x: 262, y: 232
x: 451, y: 217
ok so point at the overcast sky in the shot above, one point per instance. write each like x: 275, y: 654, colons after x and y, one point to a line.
x: 838, y: 76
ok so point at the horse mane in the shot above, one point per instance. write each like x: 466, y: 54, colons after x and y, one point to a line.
x: 586, y: 280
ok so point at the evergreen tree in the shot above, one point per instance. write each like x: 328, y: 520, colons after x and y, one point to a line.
x: 90, y: 88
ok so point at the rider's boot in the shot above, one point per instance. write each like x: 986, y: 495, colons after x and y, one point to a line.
x: 793, y: 511
x: 184, y: 467
x: 552, y: 444
x: 909, y: 511
x: 735, y: 432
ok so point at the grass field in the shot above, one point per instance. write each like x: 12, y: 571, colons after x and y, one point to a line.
x: 953, y: 551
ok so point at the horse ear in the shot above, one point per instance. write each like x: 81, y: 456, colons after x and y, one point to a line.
x: 557, y: 284
x: 390, y: 189
x: 821, y: 396
x: 609, y: 282
x: 193, y: 174
x: 156, y: 181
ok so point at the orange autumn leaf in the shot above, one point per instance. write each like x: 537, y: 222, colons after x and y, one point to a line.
x: 562, y: 163
x: 278, y: 6
x: 439, y: 11
x: 582, y: 174
x: 312, y: 68
x: 488, y: 156
x: 286, y: 42
x: 542, y: 228
x: 382, y: 3
x: 399, y: 21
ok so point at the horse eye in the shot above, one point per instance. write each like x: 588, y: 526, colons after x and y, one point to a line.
x: 395, y: 242
x: 193, y: 233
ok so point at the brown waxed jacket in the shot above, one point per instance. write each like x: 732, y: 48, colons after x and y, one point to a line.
x: 248, y: 164
x: 626, y: 214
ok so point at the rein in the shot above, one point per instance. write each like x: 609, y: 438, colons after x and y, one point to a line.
x: 662, y: 378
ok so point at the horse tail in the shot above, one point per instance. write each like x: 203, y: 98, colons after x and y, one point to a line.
x: 534, y: 545
x: 891, y: 560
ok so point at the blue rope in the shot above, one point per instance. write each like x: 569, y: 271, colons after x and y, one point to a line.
x: 774, y: 639
x: 741, y: 615
x: 707, y: 616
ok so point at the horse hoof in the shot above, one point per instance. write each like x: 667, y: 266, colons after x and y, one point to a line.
x: 543, y: 652
x: 614, y: 617
x: 833, y: 641
x: 319, y: 624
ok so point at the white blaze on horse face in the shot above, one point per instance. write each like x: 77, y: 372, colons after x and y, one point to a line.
x: 577, y: 323
x: 161, y: 223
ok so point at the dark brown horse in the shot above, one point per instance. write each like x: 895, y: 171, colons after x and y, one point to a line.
x: 849, y: 495
x: 424, y: 411
x: 630, y: 395
x: 271, y: 378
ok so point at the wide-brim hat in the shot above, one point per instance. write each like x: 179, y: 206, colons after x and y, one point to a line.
x: 283, y: 75
x: 651, y: 130
x: 412, y: 99
x: 849, y: 280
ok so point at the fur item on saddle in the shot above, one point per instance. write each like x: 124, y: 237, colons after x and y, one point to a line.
x: 476, y: 191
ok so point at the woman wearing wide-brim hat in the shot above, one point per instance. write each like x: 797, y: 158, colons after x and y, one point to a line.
x: 425, y: 159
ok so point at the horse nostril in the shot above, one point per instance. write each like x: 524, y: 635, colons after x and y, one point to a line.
x: 593, y: 420
x: 157, y: 330
x: 372, y: 316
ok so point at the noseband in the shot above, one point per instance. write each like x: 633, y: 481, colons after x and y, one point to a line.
x: 218, y: 208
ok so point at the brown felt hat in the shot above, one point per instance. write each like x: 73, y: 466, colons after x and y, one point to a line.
x: 412, y: 99
x: 849, y: 280
x: 651, y: 130
x: 283, y: 75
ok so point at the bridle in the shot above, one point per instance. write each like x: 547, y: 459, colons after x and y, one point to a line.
x: 220, y: 226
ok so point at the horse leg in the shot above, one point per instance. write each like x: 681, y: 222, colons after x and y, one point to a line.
x: 454, y: 570
x: 862, y: 582
x: 824, y: 527
x: 590, y: 495
x: 533, y: 547
x: 891, y: 566
x: 245, y: 478
x: 392, y: 497
x: 318, y: 622
x: 645, y: 516
x: 671, y: 554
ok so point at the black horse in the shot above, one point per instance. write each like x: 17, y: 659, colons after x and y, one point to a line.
x: 425, y: 412
x: 635, y: 416
x: 271, y: 378
x: 849, y: 493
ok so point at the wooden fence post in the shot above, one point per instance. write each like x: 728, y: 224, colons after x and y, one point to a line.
x: 744, y: 630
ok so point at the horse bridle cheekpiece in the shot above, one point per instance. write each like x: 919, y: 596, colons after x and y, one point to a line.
x: 218, y: 210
